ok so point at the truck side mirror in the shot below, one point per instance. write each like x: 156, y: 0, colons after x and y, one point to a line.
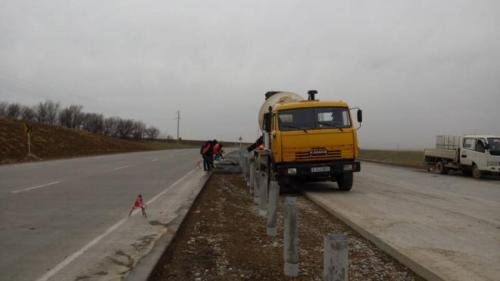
x: 360, y: 116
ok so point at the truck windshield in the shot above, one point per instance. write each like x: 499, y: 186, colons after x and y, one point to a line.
x: 494, y: 146
x: 314, y: 118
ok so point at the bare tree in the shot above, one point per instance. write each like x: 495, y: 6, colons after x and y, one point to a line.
x: 28, y: 114
x: 14, y: 110
x: 93, y: 123
x: 111, y: 126
x: 71, y: 117
x: 125, y: 128
x: 3, y: 108
x: 47, y: 112
x: 152, y: 133
x: 139, y: 130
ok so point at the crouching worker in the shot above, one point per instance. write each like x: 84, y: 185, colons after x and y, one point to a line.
x: 139, y: 203
x: 217, y: 152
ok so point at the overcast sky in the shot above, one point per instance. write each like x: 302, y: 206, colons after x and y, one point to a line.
x: 416, y: 68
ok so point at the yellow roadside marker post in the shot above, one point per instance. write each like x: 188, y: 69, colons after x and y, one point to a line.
x: 28, y: 129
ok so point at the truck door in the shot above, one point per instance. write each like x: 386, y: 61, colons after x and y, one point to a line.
x: 478, y: 155
x: 275, y: 139
x: 468, y: 146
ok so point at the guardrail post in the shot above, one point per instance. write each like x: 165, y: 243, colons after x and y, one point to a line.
x: 247, y: 170
x: 272, y: 206
x: 263, y: 184
x: 241, y: 159
x: 243, y: 165
x: 335, y: 258
x: 291, y: 239
x: 256, y: 186
x: 251, y: 179
x: 249, y: 161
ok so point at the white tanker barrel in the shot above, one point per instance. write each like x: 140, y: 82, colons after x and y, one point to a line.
x: 275, y: 98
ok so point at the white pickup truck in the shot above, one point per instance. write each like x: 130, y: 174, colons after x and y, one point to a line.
x: 474, y: 155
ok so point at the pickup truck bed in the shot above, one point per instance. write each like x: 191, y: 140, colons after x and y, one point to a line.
x: 437, y: 154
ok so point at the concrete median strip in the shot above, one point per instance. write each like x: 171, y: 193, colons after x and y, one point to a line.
x: 132, y: 246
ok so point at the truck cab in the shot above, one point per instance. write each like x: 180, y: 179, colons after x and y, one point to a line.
x: 313, y: 140
x: 480, y: 153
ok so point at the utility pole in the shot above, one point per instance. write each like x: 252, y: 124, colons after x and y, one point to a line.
x: 178, y: 123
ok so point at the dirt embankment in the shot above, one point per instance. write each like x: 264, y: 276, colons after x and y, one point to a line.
x: 223, y: 238
x: 52, y: 142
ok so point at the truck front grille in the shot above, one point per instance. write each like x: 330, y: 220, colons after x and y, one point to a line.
x: 329, y: 155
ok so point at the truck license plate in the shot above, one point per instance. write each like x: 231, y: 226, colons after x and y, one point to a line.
x: 320, y: 169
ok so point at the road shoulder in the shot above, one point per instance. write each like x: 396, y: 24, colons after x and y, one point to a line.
x: 442, y: 227
x: 133, y: 245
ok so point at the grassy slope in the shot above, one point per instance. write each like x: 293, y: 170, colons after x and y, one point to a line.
x: 50, y: 142
x: 405, y: 158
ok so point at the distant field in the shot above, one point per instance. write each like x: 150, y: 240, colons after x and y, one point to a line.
x: 405, y: 158
x: 52, y: 142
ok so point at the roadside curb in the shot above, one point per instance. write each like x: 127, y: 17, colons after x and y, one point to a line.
x: 424, y: 272
x: 144, y: 268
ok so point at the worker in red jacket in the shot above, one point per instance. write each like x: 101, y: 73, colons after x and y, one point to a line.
x: 206, y: 152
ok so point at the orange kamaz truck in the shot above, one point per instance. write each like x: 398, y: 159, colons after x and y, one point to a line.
x: 308, y: 139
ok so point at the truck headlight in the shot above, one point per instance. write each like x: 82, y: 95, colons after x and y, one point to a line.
x: 292, y: 171
x: 348, y: 167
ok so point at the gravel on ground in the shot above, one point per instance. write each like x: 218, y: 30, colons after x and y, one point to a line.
x: 224, y: 238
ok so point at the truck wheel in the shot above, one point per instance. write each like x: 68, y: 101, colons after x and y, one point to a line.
x: 440, y: 168
x: 476, y: 173
x: 344, y: 181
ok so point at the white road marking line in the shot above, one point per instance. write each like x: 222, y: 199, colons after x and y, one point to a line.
x: 168, y: 188
x: 34, y: 187
x: 154, y: 160
x: 78, y: 253
x: 119, y: 168
x: 49, y: 274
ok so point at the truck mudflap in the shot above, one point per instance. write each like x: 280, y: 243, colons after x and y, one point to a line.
x: 318, y: 169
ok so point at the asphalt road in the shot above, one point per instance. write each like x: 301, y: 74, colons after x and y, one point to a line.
x: 50, y: 210
x: 449, y: 224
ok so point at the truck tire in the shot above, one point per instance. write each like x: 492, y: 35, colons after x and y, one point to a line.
x: 344, y: 181
x: 476, y: 173
x: 440, y: 168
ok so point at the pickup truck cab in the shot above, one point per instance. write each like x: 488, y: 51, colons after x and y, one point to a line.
x: 481, y: 153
